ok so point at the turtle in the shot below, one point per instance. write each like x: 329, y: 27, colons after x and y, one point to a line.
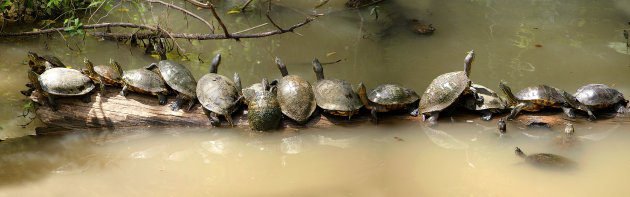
x: 446, y: 89
x: 535, y: 98
x: 178, y: 78
x: 335, y: 96
x: 56, y: 82
x: 568, y: 139
x: 250, y: 92
x: 218, y: 94
x: 502, y: 130
x: 421, y: 28
x: 295, y: 95
x: 101, y: 74
x: 546, y: 160
x: 263, y: 111
x: 142, y: 81
x: 600, y: 96
x: 387, y: 97
x: 41, y: 63
x: 492, y: 103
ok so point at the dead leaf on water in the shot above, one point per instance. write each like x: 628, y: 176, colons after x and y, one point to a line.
x: 331, y: 54
x: 122, y: 10
x: 199, y: 8
x: 233, y: 12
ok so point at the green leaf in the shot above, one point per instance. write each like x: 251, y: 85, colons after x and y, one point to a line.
x: 80, y: 31
x: 1, y: 128
x: 69, y: 28
x: 93, y: 4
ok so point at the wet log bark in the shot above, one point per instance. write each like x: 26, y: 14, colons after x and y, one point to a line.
x: 113, y: 111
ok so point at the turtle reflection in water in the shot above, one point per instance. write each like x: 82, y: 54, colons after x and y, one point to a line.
x: 546, y: 160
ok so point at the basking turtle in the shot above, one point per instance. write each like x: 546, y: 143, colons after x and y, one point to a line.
x: 180, y: 79
x: 492, y: 103
x: 421, y: 28
x: 600, y: 96
x: 56, y: 82
x: 535, y: 98
x: 296, y: 96
x: 568, y: 139
x: 263, y: 111
x: 101, y: 74
x: 387, y: 97
x: 446, y: 89
x: 546, y: 160
x: 39, y: 64
x: 218, y: 94
x: 335, y: 96
x: 141, y: 81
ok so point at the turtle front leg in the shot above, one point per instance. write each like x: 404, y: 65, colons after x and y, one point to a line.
x: 515, y: 111
x: 192, y: 103
x: 161, y: 98
x: 433, y: 117
x: 374, y: 116
x: 414, y: 112
x: 102, y: 85
x: 151, y: 66
x: 86, y: 98
x: 214, y: 120
x: 124, y: 90
x: 620, y: 107
x: 178, y: 103
x: 487, y: 115
x: 478, y: 98
x: 228, y: 117
x: 52, y: 103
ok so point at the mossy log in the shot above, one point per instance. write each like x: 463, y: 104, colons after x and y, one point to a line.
x: 113, y: 111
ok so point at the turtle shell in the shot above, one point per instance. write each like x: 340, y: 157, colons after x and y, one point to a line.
x: 549, y: 160
x: 217, y: 93
x: 263, y: 111
x: 144, y: 81
x: 543, y: 95
x: 178, y: 77
x: 54, y: 61
x: 249, y: 93
x: 443, y: 91
x: 336, y: 95
x: 65, y: 82
x: 393, y: 96
x: 108, y: 73
x: 296, y: 97
x: 491, y: 100
x: 598, y: 96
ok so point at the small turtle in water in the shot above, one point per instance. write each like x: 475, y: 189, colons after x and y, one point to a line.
x: 218, y: 94
x: 180, y: 79
x: 335, y: 96
x: 546, y: 160
x: 61, y: 82
x: 421, y: 28
x: 296, y: 96
x: 502, y: 130
x: 387, y: 97
x: 101, y: 74
x: 141, y: 81
x: 600, y: 96
x: 446, y: 89
x: 492, y: 103
x: 263, y: 111
x: 568, y: 139
x: 535, y: 98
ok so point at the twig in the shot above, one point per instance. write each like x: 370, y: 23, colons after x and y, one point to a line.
x: 199, y: 4
x: 269, y: 17
x: 93, y: 26
x: 245, y: 5
x: 251, y: 28
x: 171, y: 36
x: 214, y: 12
x: 184, y: 11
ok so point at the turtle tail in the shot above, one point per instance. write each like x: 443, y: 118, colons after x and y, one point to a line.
x: 508, y: 93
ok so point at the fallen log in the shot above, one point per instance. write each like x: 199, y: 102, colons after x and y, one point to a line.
x: 113, y: 111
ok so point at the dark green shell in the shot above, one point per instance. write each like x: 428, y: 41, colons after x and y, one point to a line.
x: 217, y: 93
x: 598, y: 96
x: 549, y: 160
x: 263, y: 112
x: 491, y: 100
x: 393, y: 96
x: 53, y: 60
x: 443, y: 91
x: 296, y: 97
x: 336, y: 95
x: 542, y: 95
x: 144, y: 81
x: 65, y: 82
x: 178, y: 77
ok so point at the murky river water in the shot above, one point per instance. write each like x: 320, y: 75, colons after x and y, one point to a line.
x: 580, y: 42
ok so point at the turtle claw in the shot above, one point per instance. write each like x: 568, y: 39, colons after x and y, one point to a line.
x: 414, y: 112
x: 175, y: 107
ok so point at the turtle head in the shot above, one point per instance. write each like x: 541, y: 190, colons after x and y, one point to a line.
x: 89, y: 66
x: 237, y: 81
x: 317, y: 68
x: 214, y: 66
x: 468, y: 62
x: 33, y: 77
x: 32, y: 56
x: 116, y: 67
x: 512, y: 100
x: 265, y: 84
x: 160, y: 50
x: 519, y: 152
x: 282, y: 67
x: 569, y: 130
x: 362, y: 92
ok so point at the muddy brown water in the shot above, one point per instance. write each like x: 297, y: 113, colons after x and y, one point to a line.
x: 565, y: 44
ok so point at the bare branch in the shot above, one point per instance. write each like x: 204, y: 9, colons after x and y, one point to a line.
x: 269, y: 17
x: 93, y: 26
x: 245, y: 5
x: 184, y: 11
x: 214, y: 12
x: 251, y: 28
x: 199, y: 4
